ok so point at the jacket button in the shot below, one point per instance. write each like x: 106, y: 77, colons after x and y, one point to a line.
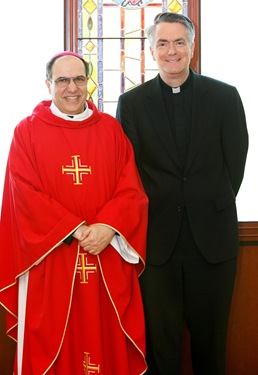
x: 179, y: 209
x: 184, y: 179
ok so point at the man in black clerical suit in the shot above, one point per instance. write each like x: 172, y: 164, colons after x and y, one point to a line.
x: 190, y: 139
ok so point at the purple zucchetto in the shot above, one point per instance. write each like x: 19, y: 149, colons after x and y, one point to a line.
x: 65, y: 53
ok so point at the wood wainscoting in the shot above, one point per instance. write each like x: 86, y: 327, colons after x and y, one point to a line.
x: 242, y: 351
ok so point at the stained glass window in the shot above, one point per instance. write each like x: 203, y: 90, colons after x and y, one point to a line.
x: 111, y: 38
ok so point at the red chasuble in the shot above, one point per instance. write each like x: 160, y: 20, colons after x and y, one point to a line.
x: 83, y: 313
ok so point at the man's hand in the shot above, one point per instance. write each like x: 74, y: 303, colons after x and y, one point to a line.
x: 95, y: 238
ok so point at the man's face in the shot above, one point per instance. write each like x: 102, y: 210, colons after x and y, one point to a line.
x: 171, y: 50
x: 69, y: 99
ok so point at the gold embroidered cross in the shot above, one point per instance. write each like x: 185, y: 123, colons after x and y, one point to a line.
x: 83, y: 268
x: 76, y: 169
x: 88, y: 367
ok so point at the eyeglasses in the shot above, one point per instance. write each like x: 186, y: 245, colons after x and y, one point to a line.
x: 65, y: 81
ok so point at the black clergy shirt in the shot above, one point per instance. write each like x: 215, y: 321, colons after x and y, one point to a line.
x: 178, y: 102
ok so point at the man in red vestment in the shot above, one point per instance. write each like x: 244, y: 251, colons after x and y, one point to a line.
x: 73, y: 236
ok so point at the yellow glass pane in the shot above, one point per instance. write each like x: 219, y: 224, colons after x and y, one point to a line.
x: 90, y: 6
x: 175, y: 6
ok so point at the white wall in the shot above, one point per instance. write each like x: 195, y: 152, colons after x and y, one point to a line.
x: 31, y: 33
x: 228, y: 53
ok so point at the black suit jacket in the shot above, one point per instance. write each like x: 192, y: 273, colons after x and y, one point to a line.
x: 208, y: 184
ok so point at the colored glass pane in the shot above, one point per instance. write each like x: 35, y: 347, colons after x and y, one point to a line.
x: 111, y: 38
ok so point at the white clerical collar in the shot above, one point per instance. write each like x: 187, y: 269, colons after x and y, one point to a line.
x: 80, y: 117
x: 176, y: 90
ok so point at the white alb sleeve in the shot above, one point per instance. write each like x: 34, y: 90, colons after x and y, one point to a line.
x: 124, y: 249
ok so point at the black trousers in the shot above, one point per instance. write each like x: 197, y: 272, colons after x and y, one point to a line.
x: 187, y: 288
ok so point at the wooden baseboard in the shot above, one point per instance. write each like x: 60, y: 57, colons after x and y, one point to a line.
x: 248, y: 232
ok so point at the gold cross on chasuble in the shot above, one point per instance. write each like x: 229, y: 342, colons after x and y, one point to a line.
x: 89, y: 367
x: 76, y: 169
x: 83, y: 268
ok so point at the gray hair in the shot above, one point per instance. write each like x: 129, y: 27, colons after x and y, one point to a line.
x: 170, y: 17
